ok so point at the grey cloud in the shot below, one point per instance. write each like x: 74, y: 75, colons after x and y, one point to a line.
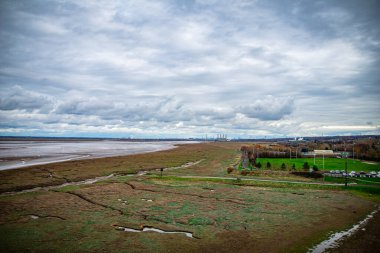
x: 17, y: 98
x: 84, y: 107
x: 158, y: 109
x: 186, y: 67
x: 269, y: 108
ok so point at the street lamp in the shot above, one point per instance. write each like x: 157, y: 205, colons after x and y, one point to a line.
x: 323, y: 160
x: 346, y: 155
x: 345, y: 181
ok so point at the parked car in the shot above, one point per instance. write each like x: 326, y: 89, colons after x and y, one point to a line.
x: 373, y: 174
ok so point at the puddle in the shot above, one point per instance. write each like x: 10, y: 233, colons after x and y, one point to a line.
x: 336, y: 238
x: 152, y: 229
x: 124, y: 202
x: 141, y: 173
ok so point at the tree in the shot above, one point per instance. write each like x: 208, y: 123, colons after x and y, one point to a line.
x: 268, y: 165
x: 258, y: 165
x: 293, y: 167
x: 306, y: 166
x: 283, y: 166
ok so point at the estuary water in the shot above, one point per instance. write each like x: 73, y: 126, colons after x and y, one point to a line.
x: 18, y: 154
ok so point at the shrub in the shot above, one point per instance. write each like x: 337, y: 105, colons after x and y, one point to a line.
x: 315, y: 168
x: 244, y: 172
x: 229, y: 170
x: 268, y: 165
x: 293, y: 167
x: 306, y: 166
x: 258, y: 165
x: 307, y: 174
x: 283, y: 166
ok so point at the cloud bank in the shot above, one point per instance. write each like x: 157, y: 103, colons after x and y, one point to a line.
x: 189, y: 68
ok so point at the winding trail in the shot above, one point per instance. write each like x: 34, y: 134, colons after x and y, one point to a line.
x: 265, y: 180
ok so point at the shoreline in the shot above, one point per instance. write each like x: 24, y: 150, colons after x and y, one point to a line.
x: 15, y: 153
x: 79, y: 170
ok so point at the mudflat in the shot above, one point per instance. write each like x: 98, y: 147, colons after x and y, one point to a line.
x: 25, y: 153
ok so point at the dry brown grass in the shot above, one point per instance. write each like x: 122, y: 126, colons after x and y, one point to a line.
x: 226, y: 218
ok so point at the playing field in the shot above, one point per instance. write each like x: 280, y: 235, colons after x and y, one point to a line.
x: 322, y: 164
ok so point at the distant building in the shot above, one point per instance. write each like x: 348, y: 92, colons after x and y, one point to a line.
x: 300, y: 139
x: 322, y: 152
x: 221, y: 137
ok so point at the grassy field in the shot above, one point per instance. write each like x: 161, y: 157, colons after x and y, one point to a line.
x: 329, y: 163
x: 224, y: 215
x: 82, y: 218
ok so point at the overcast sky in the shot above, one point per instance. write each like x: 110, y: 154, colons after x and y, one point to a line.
x: 189, y: 68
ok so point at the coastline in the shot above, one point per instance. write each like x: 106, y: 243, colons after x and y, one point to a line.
x: 19, y: 154
x: 79, y: 170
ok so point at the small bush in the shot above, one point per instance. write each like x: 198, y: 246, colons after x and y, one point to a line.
x: 283, y: 166
x: 229, y: 170
x: 293, y: 167
x: 244, y: 172
x: 315, y: 168
x: 258, y: 165
x: 307, y: 174
x: 268, y: 165
x: 306, y: 166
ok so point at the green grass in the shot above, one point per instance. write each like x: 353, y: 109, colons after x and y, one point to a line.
x: 370, y: 189
x: 330, y: 163
x: 365, y: 181
x: 200, y: 221
x: 252, y: 183
x: 340, y: 180
x: 249, y: 166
